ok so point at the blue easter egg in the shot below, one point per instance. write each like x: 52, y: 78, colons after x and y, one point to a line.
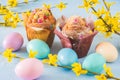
x: 94, y: 63
x: 39, y: 46
x: 66, y: 57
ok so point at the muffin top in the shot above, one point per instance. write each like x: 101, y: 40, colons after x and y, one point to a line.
x: 41, y: 18
x: 75, y: 27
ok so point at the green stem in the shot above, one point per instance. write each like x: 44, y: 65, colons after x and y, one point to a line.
x: 2, y: 23
x: 109, y: 28
x: 100, y: 17
x: 68, y: 67
x: 0, y: 52
x: 112, y: 77
x: 105, y: 75
x: 106, y: 7
x: 18, y: 57
x: 23, y: 12
x: 117, y: 33
x: 29, y: 1
x: 115, y: 78
x: 94, y: 73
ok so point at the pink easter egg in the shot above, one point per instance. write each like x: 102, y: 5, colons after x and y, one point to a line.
x: 13, y: 41
x: 29, y: 69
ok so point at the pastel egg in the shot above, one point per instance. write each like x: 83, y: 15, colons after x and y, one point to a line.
x: 29, y: 69
x: 94, y: 63
x: 108, y: 51
x: 40, y: 47
x: 67, y: 56
x: 13, y: 40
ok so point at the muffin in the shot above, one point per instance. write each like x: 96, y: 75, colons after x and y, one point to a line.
x: 76, y: 33
x: 40, y: 24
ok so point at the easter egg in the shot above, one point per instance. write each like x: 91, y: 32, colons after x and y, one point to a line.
x: 66, y: 57
x: 13, y: 41
x: 94, y: 63
x: 40, y: 47
x: 29, y: 69
x: 108, y: 51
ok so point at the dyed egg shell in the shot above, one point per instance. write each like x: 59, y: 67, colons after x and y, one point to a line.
x: 66, y: 57
x: 108, y: 51
x: 29, y: 69
x: 13, y: 41
x: 94, y: 63
x: 39, y: 46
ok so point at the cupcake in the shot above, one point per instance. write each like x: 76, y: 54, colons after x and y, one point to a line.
x: 76, y: 33
x: 40, y: 24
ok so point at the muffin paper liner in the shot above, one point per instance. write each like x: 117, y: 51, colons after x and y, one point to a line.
x: 82, y: 45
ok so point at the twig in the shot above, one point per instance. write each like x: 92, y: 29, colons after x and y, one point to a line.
x: 117, y: 33
x: 68, y: 67
x: 26, y: 3
x: 19, y: 57
x: 106, y: 5
x: 29, y: 1
x: 65, y: 67
x: 105, y: 75
x: 108, y: 9
x: 100, y: 17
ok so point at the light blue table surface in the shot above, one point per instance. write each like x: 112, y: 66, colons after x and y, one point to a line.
x: 55, y: 73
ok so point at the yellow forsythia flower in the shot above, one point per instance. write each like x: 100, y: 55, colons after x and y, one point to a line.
x: 106, y: 16
x: 61, y: 6
x: 108, y: 70
x: 107, y: 30
x: 107, y: 34
x: 52, y: 60
x: 11, y: 20
x: 9, y: 55
x: 48, y: 6
x: 117, y: 15
x: 28, y: 13
x: 100, y: 12
x: 85, y: 5
x: 8, y: 16
x: 113, y: 22
x: 100, y: 26
x: 15, y: 18
x: 3, y: 10
x: 12, y: 3
x: 77, y: 69
x: 109, y: 4
x: 26, y: 1
x: 93, y: 2
x: 101, y: 77
x: 32, y: 54
x: 13, y: 24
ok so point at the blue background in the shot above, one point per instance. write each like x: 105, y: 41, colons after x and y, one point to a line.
x: 53, y: 73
